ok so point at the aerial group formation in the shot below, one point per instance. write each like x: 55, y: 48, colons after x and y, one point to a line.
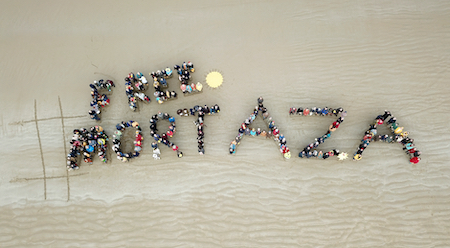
x: 201, y: 112
x: 137, y: 84
x: 164, y: 137
x: 399, y: 135
x: 310, y: 151
x: 99, y: 100
x: 86, y: 142
x: 120, y: 128
x: 273, y: 131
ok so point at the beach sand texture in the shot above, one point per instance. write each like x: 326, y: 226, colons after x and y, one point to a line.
x: 364, y: 56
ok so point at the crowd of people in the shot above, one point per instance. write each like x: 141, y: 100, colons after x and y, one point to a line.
x: 310, y: 150
x: 199, y: 123
x: 399, y: 135
x: 184, y: 75
x: 120, y: 128
x: 205, y: 109
x: 85, y: 142
x: 274, y: 131
x: 134, y: 89
x: 160, y: 85
x: 317, y: 111
x: 163, y: 138
x: 135, y: 85
x: 99, y: 100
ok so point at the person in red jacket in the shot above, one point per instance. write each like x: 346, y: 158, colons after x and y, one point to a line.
x: 276, y: 131
x: 414, y: 160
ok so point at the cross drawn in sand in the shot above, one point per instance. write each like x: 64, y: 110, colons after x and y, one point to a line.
x: 44, y: 178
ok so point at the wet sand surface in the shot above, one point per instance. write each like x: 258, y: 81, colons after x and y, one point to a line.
x: 360, y: 55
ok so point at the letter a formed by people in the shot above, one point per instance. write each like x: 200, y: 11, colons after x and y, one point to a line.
x: 274, y: 132
x: 399, y: 135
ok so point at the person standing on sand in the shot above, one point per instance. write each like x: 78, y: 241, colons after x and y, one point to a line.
x: 247, y: 131
x: 93, y: 115
x: 414, y: 160
x: 263, y: 133
x: 260, y: 100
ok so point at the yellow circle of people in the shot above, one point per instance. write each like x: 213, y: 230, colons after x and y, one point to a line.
x: 214, y: 79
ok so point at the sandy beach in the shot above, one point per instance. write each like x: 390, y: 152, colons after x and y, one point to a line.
x: 363, y: 56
